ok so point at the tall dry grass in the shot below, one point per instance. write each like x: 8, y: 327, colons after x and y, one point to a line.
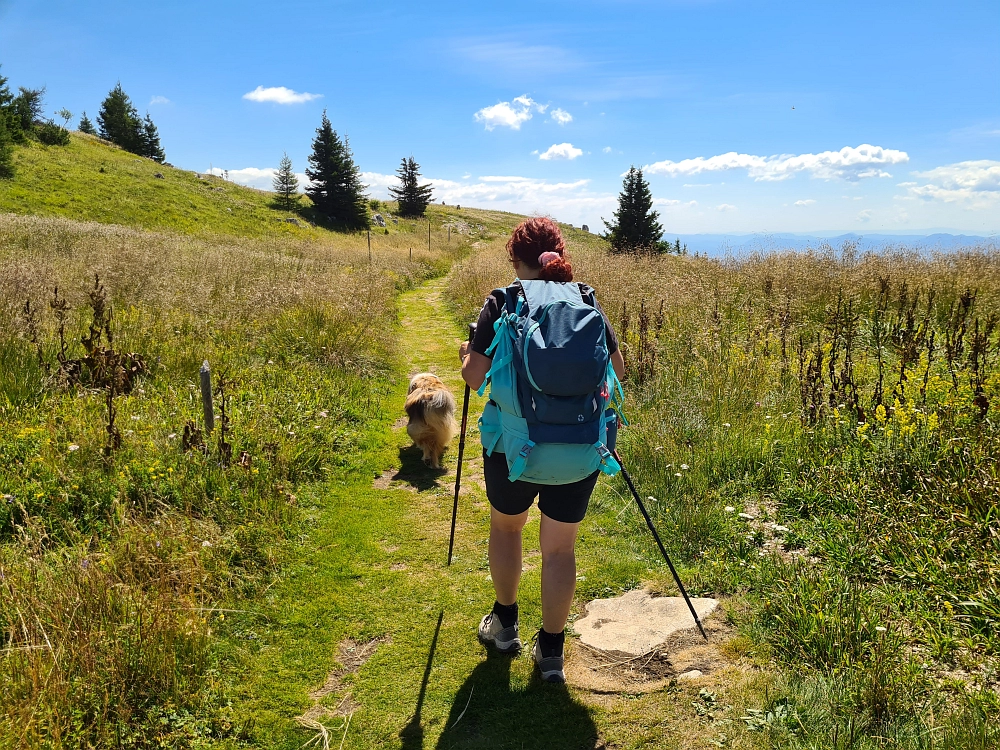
x: 866, y: 557
x: 114, y: 565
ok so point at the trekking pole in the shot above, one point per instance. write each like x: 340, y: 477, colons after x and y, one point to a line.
x: 652, y: 528
x: 461, y: 452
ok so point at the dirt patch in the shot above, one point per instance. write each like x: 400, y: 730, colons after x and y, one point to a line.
x: 388, y: 480
x: 611, y: 673
x: 351, y: 655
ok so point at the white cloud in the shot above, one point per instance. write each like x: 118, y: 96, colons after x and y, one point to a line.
x: 279, y: 95
x: 865, y: 216
x: 158, y: 100
x: 973, y: 183
x: 606, y: 149
x: 805, y: 202
x: 725, y: 207
x: 561, y: 116
x: 672, y: 202
x: 847, y: 164
x: 567, y: 201
x: 509, y: 114
x: 255, y: 177
x: 561, y: 151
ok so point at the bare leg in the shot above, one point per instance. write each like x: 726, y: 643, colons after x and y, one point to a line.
x: 505, y: 554
x: 558, y: 542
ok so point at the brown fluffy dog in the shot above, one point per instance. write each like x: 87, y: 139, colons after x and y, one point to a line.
x: 431, y: 409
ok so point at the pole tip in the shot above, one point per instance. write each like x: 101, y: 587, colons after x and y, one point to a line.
x: 205, y: 367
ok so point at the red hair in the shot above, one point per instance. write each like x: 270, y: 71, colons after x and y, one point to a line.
x: 532, y: 238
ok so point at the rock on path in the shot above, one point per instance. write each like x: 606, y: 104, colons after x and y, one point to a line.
x: 636, y: 622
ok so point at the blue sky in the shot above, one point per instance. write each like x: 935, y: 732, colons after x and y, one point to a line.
x: 748, y: 116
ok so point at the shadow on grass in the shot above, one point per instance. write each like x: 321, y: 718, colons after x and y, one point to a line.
x: 413, y: 733
x: 413, y: 472
x: 489, y: 713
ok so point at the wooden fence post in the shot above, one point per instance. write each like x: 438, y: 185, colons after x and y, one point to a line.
x: 428, y: 234
x: 206, y: 396
x: 369, y: 245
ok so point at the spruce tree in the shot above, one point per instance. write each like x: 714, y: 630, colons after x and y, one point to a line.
x: 335, y: 180
x: 286, y: 184
x: 28, y: 106
x: 412, y: 196
x: 6, y: 149
x: 151, y: 141
x: 8, y: 117
x: 86, y: 126
x: 119, y: 122
x: 635, y: 227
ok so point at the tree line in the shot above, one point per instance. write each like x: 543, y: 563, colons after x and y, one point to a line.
x: 335, y: 188
x: 22, y: 119
x: 119, y: 121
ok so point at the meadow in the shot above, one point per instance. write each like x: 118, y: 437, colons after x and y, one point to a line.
x: 819, y: 432
x: 124, y: 524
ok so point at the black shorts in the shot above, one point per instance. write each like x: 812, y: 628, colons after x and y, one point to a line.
x: 560, y: 502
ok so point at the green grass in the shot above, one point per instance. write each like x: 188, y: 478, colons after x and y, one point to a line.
x: 91, y: 180
x: 159, y: 598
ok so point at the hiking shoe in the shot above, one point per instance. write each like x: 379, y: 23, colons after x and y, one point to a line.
x: 551, y: 667
x: 493, y: 633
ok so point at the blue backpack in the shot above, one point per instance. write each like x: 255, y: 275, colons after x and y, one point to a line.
x: 554, y: 397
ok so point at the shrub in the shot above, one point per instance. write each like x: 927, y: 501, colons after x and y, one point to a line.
x: 52, y: 134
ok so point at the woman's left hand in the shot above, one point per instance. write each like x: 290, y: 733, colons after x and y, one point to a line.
x: 463, y: 351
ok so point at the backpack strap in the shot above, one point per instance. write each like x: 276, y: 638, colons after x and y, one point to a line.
x: 520, y: 462
x: 505, y: 325
x: 608, y: 465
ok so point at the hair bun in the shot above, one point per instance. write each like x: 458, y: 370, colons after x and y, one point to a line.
x: 548, y: 257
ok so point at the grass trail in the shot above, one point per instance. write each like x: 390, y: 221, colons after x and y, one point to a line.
x: 368, y: 623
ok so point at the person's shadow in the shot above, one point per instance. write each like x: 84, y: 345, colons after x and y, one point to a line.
x: 489, y: 713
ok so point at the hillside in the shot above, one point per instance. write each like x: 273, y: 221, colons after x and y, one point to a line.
x: 91, y: 180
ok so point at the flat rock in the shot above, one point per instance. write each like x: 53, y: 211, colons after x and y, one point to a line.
x: 636, y: 622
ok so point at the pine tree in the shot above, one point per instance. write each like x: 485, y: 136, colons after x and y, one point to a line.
x: 335, y: 180
x: 286, y: 184
x: 119, y: 121
x: 86, y: 126
x: 28, y: 106
x: 151, y: 141
x: 6, y: 147
x: 8, y: 120
x: 412, y: 196
x: 635, y: 227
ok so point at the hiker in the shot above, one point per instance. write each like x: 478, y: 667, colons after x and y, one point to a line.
x: 529, y: 449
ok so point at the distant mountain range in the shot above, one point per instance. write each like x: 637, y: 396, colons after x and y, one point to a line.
x: 720, y: 245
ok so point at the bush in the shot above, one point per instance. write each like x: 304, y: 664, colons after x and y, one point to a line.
x: 52, y: 134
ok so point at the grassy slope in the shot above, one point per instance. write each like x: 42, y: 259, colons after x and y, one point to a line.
x: 69, y: 181
x: 91, y: 180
